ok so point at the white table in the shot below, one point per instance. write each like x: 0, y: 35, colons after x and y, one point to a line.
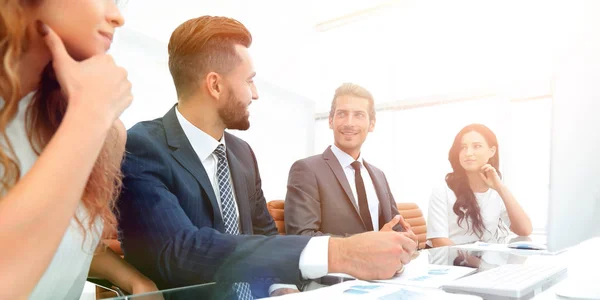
x: 583, y: 262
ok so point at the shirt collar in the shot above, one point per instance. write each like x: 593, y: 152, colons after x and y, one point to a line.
x: 344, y: 158
x: 203, y: 144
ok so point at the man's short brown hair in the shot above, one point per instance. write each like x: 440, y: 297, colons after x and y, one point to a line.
x: 352, y: 89
x: 202, y: 45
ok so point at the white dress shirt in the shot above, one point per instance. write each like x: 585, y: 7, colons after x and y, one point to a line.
x: 205, y: 145
x: 313, y: 259
x: 66, y: 274
x: 346, y: 161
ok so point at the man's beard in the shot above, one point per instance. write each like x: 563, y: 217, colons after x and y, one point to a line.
x: 233, y: 114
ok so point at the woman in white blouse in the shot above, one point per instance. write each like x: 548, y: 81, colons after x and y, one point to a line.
x: 61, y: 145
x: 473, y: 204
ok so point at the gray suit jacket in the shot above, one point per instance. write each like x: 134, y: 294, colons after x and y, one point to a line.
x: 319, y: 199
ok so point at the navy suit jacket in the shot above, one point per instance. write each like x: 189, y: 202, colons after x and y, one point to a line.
x: 170, y: 225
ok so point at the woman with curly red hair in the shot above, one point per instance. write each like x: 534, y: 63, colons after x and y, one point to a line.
x: 61, y: 145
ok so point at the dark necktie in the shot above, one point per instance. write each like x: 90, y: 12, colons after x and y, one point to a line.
x: 363, y: 205
x: 230, y: 217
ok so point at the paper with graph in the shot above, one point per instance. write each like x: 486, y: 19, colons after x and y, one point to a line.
x: 433, y: 276
x: 357, y: 289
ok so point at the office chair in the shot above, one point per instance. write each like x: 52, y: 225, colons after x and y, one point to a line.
x: 414, y: 216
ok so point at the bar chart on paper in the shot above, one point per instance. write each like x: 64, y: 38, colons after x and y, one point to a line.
x: 433, y: 276
x: 357, y: 289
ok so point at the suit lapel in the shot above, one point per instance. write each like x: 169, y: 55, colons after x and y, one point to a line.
x: 337, y: 170
x: 187, y: 157
x: 380, y: 188
x: 240, y: 186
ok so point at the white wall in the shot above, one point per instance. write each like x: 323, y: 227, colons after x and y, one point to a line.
x: 422, y: 48
x: 281, y: 131
x: 282, y: 123
x: 574, y: 183
x: 146, y: 61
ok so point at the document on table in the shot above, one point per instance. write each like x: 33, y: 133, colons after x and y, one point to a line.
x: 432, y: 276
x: 422, y: 275
x: 357, y: 289
x: 481, y: 246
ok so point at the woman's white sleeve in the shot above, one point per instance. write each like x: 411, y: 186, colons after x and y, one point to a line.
x: 437, y: 217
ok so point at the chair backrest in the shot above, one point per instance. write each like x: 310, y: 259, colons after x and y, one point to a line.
x: 414, y: 216
x: 275, y: 208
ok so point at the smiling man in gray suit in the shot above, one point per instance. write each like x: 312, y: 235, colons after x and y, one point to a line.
x: 338, y: 192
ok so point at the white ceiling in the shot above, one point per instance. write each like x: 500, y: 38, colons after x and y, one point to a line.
x: 408, y: 49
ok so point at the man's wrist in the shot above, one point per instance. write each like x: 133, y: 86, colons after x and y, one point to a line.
x: 279, y: 289
x: 336, y: 255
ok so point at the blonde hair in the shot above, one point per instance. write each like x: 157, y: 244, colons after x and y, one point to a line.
x: 12, y: 44
x: 44, y: 116
x: 352, y: 89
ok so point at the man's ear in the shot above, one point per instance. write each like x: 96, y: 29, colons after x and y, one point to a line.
x: 330, y: 122
x: 371, y: 125
x: 213, y: 83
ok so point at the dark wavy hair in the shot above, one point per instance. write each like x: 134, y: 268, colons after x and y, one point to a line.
x: 466, y: 205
